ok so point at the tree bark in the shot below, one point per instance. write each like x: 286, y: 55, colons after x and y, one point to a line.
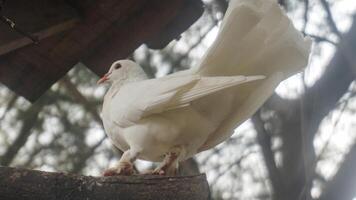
x: 16, y: 184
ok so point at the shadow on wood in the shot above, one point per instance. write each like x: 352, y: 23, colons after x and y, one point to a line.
x: 16, y: 184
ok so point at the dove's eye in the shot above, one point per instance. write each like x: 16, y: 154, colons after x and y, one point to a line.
x: 117, y: 66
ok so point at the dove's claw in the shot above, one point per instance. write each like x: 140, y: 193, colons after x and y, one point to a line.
x: 158, y: 172
x: 169, y: 164
x: 123, y: 168
x: 109, y: 172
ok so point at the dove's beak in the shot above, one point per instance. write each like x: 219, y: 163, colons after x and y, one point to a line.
x: 103, y: 79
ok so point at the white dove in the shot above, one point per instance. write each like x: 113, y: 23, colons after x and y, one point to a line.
x: 172, y: 118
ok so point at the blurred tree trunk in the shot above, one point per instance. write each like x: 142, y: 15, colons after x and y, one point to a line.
x: 299, y: 120
x: 342, y: 185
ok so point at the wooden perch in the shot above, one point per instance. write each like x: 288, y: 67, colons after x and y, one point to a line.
x: 16, y: 184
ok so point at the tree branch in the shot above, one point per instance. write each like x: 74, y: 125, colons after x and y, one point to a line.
x: 318, y: 38
x: 77, y: 95
x: 16, y: 184
x: 29, y: 121
x: 264, y: 139
x: 323, y: 96
x: 330, y: 17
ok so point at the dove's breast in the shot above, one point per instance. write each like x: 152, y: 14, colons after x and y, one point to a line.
x: 113, y: 132
x: 111, y: 129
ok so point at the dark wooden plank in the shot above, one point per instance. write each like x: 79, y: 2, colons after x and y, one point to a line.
x: 30, y: 71
x: 100, y: 17
x: 191, y: 11
x: 110, y: 30
x: 123, y: 38
x: 43, y: 17
x: 17, y: 41
x: 81, y: 6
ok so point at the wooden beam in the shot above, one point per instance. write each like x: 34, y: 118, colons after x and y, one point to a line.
x: 16, y: 184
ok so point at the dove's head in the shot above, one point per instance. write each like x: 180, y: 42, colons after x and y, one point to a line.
x: 123, y: 70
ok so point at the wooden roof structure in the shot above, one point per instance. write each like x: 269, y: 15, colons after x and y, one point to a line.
x: 94, y: 32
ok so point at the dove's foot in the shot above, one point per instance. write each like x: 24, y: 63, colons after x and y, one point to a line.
x: 171, y: 172
x: 169, y: 165
x: 123, y: 168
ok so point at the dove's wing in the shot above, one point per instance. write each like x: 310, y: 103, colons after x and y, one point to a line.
x: 255, y: 37
x: 137, y: 100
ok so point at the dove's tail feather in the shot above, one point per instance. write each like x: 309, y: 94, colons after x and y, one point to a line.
x: 256, y: 38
